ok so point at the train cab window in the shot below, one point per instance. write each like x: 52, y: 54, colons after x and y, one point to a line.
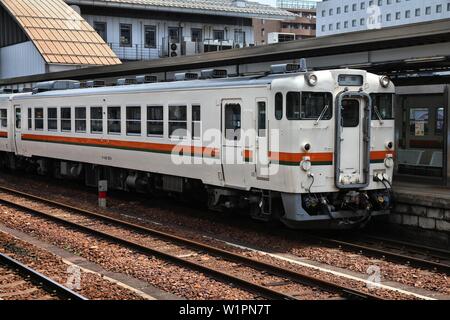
x: 155, y: 121
x: 350, y: 113
x: 30, y: 119
x: 52, y: 119
x: 96, y: 120
x: 315, y: 105
x: 279, y: 106
x: 134, y: 121
x: 233, y: 121
x: 39, y: 119
x: 196, y: 122
x: 293, y: 106
x: 66, y: 119
x: 177, y: 121
x: 4, y: 118
x: 80, y: 119
x: 383, y: 106
x: 114, y: 121
x: 262, y: 132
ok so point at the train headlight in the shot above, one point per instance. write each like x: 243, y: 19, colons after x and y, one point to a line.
x: 385, y: 81
x: 311, y: 79
x: 389, y: 161
x: 306, y: 164
x: 307, y: 147
x: 389, y: 145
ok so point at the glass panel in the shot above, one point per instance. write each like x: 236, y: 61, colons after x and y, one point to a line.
x: 178, y: 121
x: 150, y: 36
x: 440, y: 121
x: 66, y: 119
x: 418, y: 121
x: 30, y: 119
x: 134, y: 120
x: 125, y: 35
x: 293, y: 106
x: 114, y: 120
x: 233, y: 122
x: 196, y: 121
x: 80, y: 119
x: 52, y: 119
x: 39, y: 119
x: 97, y: 120
x: 384, y: 104
x: 313, y: 104
x: 350, y: 113
x: 4, y: 118
x: 279, y: 106
x: 155, y: 121
x: 262, y: 119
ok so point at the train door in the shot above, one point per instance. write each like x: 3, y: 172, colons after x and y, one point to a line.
x: 352, y: 141
x: 232, y: 153
x: 17, y: 128
x: 262, y: 140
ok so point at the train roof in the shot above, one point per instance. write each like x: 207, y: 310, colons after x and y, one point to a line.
x: 249, y: 81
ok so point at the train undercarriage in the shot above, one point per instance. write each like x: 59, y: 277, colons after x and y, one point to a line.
x: 339, y: 210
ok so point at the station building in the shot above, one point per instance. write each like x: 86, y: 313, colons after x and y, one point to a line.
x: 152, y: 29
x: 342, y: 16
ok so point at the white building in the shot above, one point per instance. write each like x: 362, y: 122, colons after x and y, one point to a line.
x: 341, y: 16
x: 151, y: 29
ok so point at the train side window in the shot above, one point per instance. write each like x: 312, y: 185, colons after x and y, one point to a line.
x: 114, y: 120
x: 80, y: 119
x: 293, y: 106
x: 52, y: 119
x: 18, y: 117
x: 134, y: 121
x: 178, y: 121
x: 155, y: 121
x: 4, y: 118
x: 233, y: 121
x: 96, y: 120
x: 39, y: 119
x: 279, y: 106
x: 383, y: 104
x: 30, y: 119
x: 196, y: 122
x: 66, y: 119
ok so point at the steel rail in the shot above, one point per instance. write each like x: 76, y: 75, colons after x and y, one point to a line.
x: 39, y: 279
x: 259, y: 265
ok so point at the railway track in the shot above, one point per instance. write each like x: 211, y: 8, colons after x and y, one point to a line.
x: 20, y: 282
x: 186, y: 252
x: 393, y: 250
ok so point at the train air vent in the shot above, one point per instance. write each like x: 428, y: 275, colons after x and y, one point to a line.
x: 186, y: 76
x: 146, y: 79
x: 56, y: 85
x: 94, y: 84
x: 214, y: 74
x: 284, y: 68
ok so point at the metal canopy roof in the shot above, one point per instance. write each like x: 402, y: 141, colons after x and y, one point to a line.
x: 397, y: 37
x: 234, y: 8
x: 60, y: 34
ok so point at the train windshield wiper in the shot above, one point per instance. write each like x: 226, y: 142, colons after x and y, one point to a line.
x: 377, y: 112
x: 322, y: 114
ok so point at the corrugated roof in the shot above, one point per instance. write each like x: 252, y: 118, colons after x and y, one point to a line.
x: 237, y: 8
x: 59, y: 33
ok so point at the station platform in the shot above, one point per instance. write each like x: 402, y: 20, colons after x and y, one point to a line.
x: 421, y: 214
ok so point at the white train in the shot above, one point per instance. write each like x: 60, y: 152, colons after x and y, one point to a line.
x: 313, y: 149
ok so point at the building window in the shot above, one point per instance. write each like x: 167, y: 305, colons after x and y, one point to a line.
x: 174, y: 35
x: 330, y: 12
x: 362, y: 21
x: 388, y: 17
x: 380, y: 3
x: 323, y: 28
x: 39, y: 119
x: 177, y: 121
x: 239, y: 36
x: 428, y: 10
x: 345, y: 24
x: 448, y: 6
x: 196, y: 122
x: 439, y: 8
x: 30, y: 119
x: 338, y: 10
x: 66, y: 119
x: 346, y: 8
x: 114, y: 120
x: 233, y: 122
x: 398, y: 15
x: 363, y: 6
x: 96, y: 120
x: 4, y: 118
x: 408, y: 14
x: 155, y: 121
x: 418, y: 121
x: 417, y: 12
x: 134, y: 121
x: 52, y: 119
x: 126, y: 35
x: 354, y: 22
x: 80, y: 119
x: 219, y: 35
x: 197, y: 34
x: 101, y: 29
x: 150, y: 36
x: 439, y: 121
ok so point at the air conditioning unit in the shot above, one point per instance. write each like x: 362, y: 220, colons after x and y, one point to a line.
x: 190, y: 48
x: 174, y: 50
